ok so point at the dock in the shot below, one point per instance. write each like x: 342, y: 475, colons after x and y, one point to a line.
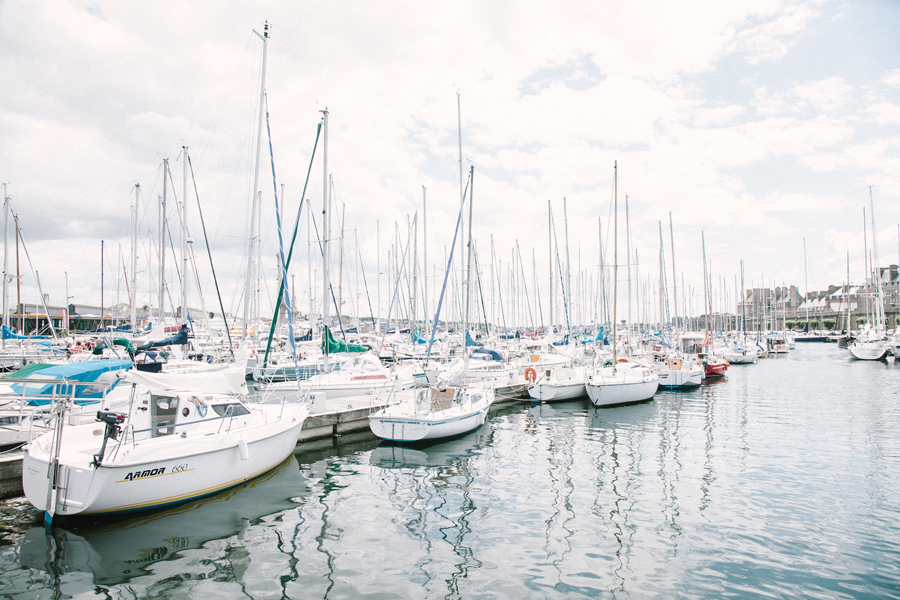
x: 329, y: 420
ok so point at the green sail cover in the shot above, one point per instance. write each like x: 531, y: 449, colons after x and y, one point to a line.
x: 331, y: 345
x: 28, y: 370
x: 125, y: 344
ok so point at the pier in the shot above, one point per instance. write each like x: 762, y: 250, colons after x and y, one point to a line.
x: 336, y: 418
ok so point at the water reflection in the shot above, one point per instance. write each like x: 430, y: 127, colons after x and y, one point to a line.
x: 116, y: 551
x: 444, y: 453
x: 781, y: 481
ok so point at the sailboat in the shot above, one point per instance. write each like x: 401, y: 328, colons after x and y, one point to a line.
x: 173, y: 438
x: 619, y: 380
x: 871, y: 344
x: 449, y: 406
x: 676, y: 369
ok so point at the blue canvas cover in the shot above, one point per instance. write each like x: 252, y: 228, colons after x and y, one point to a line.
x: 9, y: 335
x: 83, y: 372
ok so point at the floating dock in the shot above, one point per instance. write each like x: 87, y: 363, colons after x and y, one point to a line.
x: 328, y: 419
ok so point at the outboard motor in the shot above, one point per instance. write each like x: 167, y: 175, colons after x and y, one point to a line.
x: 113, y: 420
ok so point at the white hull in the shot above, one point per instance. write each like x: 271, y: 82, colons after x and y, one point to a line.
x: 555, y: 392
x: 874, y: 350
x: 669, y: 378
x: 629, y: 383
x: 412, y: 429
x: 741, y: 359
x: 433, y: 414
x: 159, y: 471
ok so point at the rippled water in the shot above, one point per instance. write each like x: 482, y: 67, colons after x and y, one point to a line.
x: 783, y: 481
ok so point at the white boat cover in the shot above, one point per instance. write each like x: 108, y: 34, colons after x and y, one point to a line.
x: 453, y: 375
x: 229, y: 380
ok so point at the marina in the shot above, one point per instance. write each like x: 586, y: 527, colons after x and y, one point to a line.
x: 780, y: 480
x: 450, y: 301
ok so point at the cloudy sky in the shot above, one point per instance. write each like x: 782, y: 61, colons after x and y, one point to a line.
x: 758, y: 123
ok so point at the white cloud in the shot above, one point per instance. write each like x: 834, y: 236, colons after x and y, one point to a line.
x: 892, y: 78
x: 96, y: 96
x: 773, y: 39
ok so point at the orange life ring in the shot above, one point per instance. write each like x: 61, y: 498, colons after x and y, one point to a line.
x: 530, y: 375
x: 623, y: 360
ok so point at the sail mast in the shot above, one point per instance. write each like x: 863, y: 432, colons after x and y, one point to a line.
x: 6, y: 261
x: 184, y: 239
x: 615, y: 259
x: 134, y: 238
x: 326, y: 230
x: 425, y: 259
x: 469, y: 259
x: 162, y: 245
x: 251, y: 236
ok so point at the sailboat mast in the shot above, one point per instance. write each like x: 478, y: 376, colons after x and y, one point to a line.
x: 425, y: 258
x: 184, y: 240
x: 378, y: 269
x: 879, y: 306
x: 162, y: 245
x: 706, y: 306
x: 806, y: 284
x: 550, y: 239
x: 866, y: 266
x: 615, y: 258
x: 462, y: 190
x: 848, y: 295
x: 309, y: 272
x: 251, y: 236
x: 101, y: 289
x: 674, y: 274
x: 628, y: 270
x: 743, y: 305
x: 662, y: 287
x: 326, y: 228
x: 134, y: 238
x: 469, y: 259
x: 6, y: 261
x: 568, y: 262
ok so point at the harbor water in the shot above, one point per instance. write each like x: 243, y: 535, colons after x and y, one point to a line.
x: 780, y: 481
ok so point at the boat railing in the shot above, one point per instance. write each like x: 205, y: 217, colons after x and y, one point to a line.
x: 60, y: 390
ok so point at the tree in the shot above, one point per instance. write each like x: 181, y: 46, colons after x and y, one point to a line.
x: 829, y: 323
x: 813, y: 325
x: 860, y: 321
x: 789, y: 324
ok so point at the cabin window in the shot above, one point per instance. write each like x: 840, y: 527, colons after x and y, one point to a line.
x: 231, y: 409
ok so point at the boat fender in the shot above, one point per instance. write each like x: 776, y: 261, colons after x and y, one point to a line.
x: 530, y: 375
x: 242, y: 448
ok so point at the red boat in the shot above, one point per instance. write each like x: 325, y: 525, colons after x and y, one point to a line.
x: 715, y: 366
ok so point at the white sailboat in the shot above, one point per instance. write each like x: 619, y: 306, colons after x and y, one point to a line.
x: 557, y: 384
x: 173, y: 439
x: 449, y: 406
x: 619, y: 380
x: 871, y: 344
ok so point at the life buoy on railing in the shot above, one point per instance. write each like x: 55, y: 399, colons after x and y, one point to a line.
x: 530, y: 375
x: 623, y: 360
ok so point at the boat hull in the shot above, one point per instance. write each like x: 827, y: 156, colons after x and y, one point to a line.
x: 612, y: 394
x: 672, y: 379
x: 868, y: 350
x: 161, y: 472
x: 415, y: 429
x: 717, y: 369
x: 555, y: 392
